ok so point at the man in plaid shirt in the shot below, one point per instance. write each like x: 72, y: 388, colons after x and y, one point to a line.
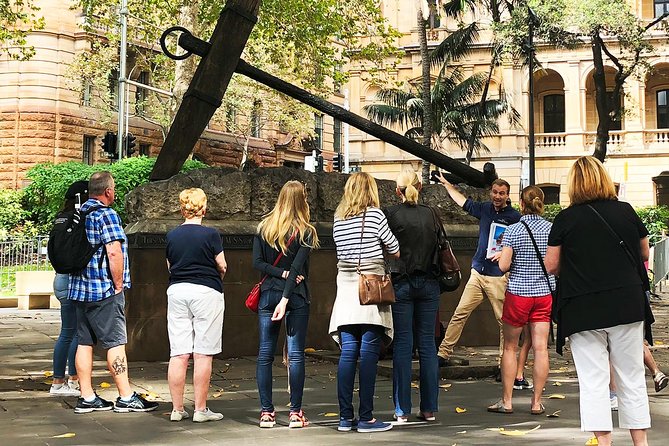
x: 97, y: 293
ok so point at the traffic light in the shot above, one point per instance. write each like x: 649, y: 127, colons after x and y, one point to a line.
x: 319, y: 163
x: 338, y: 162
x: 109, y: 144
x: 129, y: 144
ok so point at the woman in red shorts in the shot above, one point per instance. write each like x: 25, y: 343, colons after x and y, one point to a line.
x: 528, y: 297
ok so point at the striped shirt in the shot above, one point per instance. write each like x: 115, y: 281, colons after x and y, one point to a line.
x: 346, y: 234
x: 526, y: 277
x: 95, y: 283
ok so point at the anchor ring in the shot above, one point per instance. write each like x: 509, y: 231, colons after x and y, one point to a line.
x: 163, y: 43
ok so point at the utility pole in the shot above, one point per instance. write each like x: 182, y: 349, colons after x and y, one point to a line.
x: 530, y: 47
x: 347, y: 168
x: 122, y: 130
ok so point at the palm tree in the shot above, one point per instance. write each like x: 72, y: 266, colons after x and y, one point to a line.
x: 457, y: 113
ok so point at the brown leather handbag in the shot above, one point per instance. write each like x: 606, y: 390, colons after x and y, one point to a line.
x: 449, y: 268
x: 373, y: 289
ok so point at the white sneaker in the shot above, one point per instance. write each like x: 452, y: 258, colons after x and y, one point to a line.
x: 63, y: 390
x: 614, y: 402
x: 178, y: 415
x: 73, y: 384
x: 206, y: 415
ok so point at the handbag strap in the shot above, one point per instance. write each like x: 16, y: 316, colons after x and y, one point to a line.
x: 362, y: 233
x: 538, y: 253
x: 278, y: 258
x: 438, y: 226
x: 621, y: 243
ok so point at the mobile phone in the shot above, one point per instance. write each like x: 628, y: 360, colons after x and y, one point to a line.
x: 434, y: 176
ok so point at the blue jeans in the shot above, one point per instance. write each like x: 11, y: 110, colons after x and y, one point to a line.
x: 363, y: 341
x: 296, y: 332
x: 66, y: 344
x: 415, y: 311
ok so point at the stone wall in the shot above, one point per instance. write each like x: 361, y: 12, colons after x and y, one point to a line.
x: 236, y: 202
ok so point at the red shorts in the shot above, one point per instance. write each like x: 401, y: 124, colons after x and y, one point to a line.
x: 519, y: 310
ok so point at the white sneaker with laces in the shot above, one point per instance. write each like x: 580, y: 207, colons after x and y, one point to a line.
x: 73, y: 384
x: 201, y: 416
x: 63, y: 390
x: 177, y: 415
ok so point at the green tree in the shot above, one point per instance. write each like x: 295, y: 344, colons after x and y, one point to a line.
x: 455, y: 109
x: 18, y: 18
x: 305, y: 42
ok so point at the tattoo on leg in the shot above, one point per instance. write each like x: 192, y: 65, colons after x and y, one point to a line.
x: 118, y: 366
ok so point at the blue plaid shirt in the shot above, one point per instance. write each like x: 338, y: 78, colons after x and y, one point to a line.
x: 526, y: 278
x: 95, y: 283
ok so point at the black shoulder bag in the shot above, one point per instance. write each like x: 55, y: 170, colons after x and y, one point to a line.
x: 649, y: 319
x: 449, y: 270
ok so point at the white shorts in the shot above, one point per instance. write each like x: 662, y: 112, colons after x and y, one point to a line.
x: 194, y: 319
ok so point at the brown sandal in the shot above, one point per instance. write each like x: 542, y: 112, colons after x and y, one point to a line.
x: 538, y: 411
x: 498, y: 407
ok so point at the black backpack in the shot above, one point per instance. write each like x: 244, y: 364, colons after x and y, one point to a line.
x: 69, y: 249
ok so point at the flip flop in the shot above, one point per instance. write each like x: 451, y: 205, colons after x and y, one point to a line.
x: 498, y: 407
x: 539, y: 411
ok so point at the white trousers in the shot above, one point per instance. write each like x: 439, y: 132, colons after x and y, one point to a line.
x: 621, y: 348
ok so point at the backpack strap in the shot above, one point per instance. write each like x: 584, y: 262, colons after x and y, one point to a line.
x: 85, y: 214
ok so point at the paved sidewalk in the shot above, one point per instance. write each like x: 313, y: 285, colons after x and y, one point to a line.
x: 29, y: 416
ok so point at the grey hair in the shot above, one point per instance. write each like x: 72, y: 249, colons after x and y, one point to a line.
x: 99, y: 182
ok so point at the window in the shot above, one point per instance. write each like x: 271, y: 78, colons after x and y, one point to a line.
x: 661, y: 7
x: 554, y: 113
x: 337, y: 137
x: 87, y: 152
x: 434, y: 21
x: 86, y: 92
x: 113, y: 87
x: 140, y: 93
x: 230, y: 119
x: 663, y: 109
x: 318, y: 129
x: 551, y: 193
x: 145, y: 149
x: 255, y: 119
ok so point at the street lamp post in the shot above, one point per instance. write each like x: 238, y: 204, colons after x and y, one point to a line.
x: 530, y: 47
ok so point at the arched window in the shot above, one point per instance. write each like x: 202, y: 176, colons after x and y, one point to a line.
x: 551, y: 193
x: 554, y: 113
x: 663, y: 109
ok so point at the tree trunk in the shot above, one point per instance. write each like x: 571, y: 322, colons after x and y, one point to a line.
x: 184, y: 69
x: 601, y: 99
x: 427, y: 90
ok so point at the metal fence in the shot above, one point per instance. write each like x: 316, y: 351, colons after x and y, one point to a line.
x: 660, y: 261
x: 21, y: 254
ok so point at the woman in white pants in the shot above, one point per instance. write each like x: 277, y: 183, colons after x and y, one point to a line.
x: 596, y: 247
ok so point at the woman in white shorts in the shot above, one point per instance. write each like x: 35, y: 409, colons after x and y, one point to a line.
x: 195, y: 304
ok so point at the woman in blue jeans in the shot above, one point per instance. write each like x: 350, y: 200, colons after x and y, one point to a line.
x: 417, y: 298
x: 361, y: 234
x: 66, y: 346
x: 284, y: 232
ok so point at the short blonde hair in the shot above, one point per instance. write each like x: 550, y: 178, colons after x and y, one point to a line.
x: 408, y: 183
x: 360, y: 192
x: 588, y: 180
x: 193, y: 202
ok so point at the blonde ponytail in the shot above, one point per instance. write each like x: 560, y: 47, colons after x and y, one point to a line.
x: 408, y: 184
x: 533, y: 200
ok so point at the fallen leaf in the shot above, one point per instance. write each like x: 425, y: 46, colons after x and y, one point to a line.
x: 66, y: 435
x: 658, y: 343
x: 517, y: 433
x: 48, y: 374
x: 461, y: 432
x: 557, y: 383
x: 105, y: 385
x: 414, y: 385
x: 555, y: 414
x: 592, y: 442
x: 556, y: 396
x: 150, y: 396
x: 48, y: 381
x: 309, y: 350
x: 216, y: 395
x: 330, y: 414
x: 234, y: 386
x: 460, y: 410
x: 445, y: 386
